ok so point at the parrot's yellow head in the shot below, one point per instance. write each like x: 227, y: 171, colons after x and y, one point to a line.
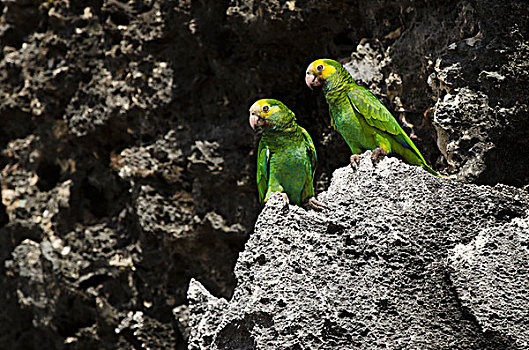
x: 320, y: 70
x: 270, y: 113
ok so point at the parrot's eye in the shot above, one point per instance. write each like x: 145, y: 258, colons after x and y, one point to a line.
x: 266, y: 108
x: 319, y: 67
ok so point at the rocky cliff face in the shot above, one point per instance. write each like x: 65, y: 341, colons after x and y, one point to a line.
x: 401, y: 259
x: 128, y: 165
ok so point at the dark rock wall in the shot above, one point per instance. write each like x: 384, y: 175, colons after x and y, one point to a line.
x: 128, y: 165
x: 481, y: 115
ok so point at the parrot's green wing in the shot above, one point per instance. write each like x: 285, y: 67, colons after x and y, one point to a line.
x: 308, y: 189
x: 331, y: 112
x: 377, y: 115
x: 311, y: 150
x: 263, y: 170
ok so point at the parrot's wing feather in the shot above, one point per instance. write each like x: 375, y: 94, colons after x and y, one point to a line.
x: 308, y: 188
x: 263, y: 170
x: 377, y: 115
x: 332, y: 113
x: 374, y: 112
x: 311, y: 151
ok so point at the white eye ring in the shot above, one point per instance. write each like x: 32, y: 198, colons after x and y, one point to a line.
x: 319, y: 67
x: 266, y: 108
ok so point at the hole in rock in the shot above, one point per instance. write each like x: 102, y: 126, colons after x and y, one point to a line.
x: 49, y: 175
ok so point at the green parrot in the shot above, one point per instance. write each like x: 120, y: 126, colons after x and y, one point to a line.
x: 361, y: 119
x: 286, y: 158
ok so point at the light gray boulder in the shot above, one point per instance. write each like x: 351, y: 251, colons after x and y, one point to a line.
x: 382, y: 268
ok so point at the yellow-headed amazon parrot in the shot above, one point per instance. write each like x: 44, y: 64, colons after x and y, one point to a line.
x: 361, y: 119
x: 286, y: 157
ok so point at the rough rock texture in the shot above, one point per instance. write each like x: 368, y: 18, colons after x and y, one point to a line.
x: 372, y: 273
x: 127, y: 164
x: 481, y: 114
x: 491, y: 277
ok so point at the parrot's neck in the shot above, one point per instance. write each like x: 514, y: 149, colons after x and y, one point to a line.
x: 339, y: 81
x: 280, y: 137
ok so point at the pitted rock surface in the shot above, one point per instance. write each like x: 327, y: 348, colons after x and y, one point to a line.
x: 491, y: 277
x: 371, y: 272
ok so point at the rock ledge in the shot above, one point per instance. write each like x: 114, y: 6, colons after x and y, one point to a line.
x: 401, y: 259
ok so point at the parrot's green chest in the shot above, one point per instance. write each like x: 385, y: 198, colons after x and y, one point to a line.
x: 290, y: 167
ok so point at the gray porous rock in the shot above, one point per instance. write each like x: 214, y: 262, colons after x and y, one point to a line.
x: 491, y: 277
x: 400, y: 260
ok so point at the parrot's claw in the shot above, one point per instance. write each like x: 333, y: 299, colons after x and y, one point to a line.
x: 377, y: 155
x: 314, y: 204
x: 355, y: 161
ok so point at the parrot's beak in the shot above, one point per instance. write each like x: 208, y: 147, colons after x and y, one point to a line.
x: 255, y: 121
x: 312, y: 80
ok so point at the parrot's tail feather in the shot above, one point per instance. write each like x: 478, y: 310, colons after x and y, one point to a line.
x: 430, y: 170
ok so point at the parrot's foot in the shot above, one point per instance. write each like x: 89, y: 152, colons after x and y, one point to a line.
x: 285, y: 201
x: 377, y: 155
x: 314, y: 204
x: 355, y: 161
